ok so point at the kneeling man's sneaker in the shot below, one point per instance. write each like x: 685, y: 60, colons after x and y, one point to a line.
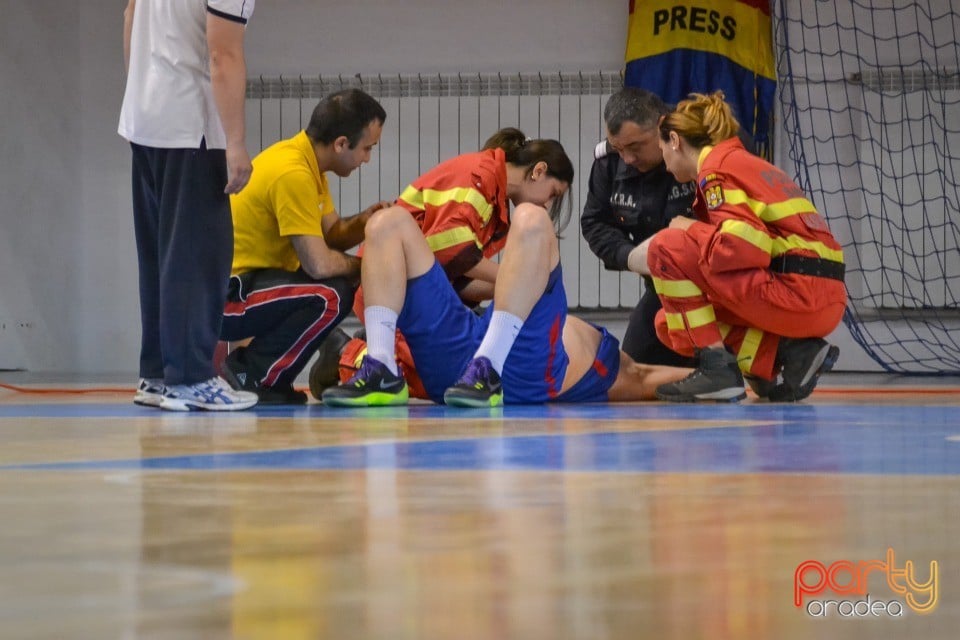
x: 236, y: 374
x: 373, y: 385
x: 210, y: 395
x: 479, y: 386
x: 803, y: 360
x: 325, y: 371
x: 716, y: 379
x: 149, y: 392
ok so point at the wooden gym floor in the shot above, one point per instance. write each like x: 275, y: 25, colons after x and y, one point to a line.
x: 644, y: 520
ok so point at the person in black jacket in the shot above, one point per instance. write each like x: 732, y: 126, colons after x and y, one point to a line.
x: 632, y: 196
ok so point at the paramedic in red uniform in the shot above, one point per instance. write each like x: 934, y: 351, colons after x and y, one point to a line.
x: 754, y: 283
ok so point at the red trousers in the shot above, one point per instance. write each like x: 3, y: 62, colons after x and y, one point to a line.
x: 749, y: 310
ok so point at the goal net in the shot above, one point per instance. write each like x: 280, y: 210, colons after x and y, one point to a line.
x: 870, y: 102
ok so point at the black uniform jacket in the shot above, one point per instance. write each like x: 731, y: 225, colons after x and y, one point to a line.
x: 625, y: 207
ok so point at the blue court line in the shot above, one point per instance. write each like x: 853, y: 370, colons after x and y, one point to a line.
x: 798, y: 439
x: 601, y: 411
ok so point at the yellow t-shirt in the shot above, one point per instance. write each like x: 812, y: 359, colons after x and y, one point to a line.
x: 286, y: 196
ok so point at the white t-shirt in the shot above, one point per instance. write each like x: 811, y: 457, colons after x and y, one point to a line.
x: 168, y: 102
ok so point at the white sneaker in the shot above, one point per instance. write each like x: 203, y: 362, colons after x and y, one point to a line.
x: 211, y: 395
x: 149, y: 392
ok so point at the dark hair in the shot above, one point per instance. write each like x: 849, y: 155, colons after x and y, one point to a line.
x: 344, y: 113
x: 632, y: 104
x: 524, y: 152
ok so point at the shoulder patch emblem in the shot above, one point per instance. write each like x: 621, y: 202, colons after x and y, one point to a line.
x: 713, y: 196
x: 601, y: 150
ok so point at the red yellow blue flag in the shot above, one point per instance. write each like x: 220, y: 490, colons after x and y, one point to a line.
x: 675, y: 48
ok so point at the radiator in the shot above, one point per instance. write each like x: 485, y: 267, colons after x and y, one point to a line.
x: 434, y: 117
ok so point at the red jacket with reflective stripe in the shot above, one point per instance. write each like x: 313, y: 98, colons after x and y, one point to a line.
x: 461, y: 206
x: 751, y: 211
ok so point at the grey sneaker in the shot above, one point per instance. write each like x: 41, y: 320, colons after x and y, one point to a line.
x: 149, y: 392
x: 210, y: 395
x: 803, y: 361
x: 716, y: 379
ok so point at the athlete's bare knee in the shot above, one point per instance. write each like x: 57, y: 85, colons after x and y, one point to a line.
x: 388, y: 225
x: 530, y: 221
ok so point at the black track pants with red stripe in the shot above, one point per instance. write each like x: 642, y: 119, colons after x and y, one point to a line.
x: 288, y: 314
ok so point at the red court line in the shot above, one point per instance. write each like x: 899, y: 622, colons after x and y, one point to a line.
x: 889, y: 391
x: 38, y: 390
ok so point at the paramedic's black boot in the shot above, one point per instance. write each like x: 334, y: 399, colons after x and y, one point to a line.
x: 716, y: 379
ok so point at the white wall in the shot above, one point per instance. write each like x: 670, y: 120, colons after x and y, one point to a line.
x: 41, y: 209
x: 435, y: 36
x: 67, y: 258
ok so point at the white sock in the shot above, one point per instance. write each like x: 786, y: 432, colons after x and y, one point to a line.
x: 381, y: 324
x: 499, y: 338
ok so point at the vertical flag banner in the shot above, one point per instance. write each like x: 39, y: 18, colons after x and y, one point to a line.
x: 675, y: 48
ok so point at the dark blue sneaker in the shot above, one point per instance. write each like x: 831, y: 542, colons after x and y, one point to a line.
x: 478, y: 387
x: 373, y: 385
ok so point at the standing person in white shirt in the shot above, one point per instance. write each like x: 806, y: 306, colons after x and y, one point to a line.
x: 183, y: 114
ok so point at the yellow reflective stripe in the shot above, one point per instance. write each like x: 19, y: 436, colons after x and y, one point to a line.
x: 359, y: 359
x: 769, y: 212
x: 419, y: 198
x: 785, y: 209
x: 675, y: 321
x: 451, y: 238
x: 783, y: 245
x: 724, y: 329
x: 700, y: 317
x: 736, y: 196
x: 748, y: 348
x: 744, y: 231
x: 412, y: 196
x: 772, y: 213
x: 676, y: 288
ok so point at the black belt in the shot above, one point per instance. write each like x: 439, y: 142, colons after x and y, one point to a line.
x: 808, y: 266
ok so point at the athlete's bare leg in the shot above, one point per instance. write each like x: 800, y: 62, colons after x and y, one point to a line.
x: 531, y: 253
x: 638, y: 381
x: 394, y: 251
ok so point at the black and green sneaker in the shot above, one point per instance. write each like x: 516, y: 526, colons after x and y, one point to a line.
x: 478, y: 387
x: 373, y: 385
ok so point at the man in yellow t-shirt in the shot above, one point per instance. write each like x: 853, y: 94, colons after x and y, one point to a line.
x: 292, y: 282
